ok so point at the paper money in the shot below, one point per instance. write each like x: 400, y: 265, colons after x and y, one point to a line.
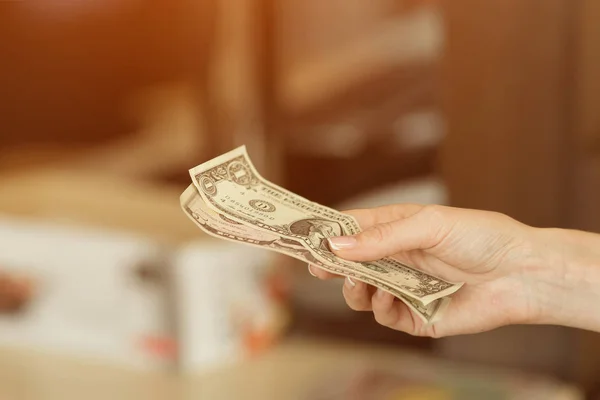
x: 218, y: 225
x: 233, y: 190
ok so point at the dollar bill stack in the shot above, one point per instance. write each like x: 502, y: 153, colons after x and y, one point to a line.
x: 229, y: 199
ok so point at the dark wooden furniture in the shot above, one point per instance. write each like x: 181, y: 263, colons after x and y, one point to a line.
x: 340, y: 93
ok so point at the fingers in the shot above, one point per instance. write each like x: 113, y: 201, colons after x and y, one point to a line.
x: 392, y: 313
x: 387, y: 310
x: 357, y: 295
x: 321, y: 273
x: 419, y: 231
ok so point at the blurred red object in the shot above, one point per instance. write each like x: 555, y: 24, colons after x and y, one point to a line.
x: 15, y: 293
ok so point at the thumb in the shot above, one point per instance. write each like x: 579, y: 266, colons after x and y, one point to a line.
x: 386, y: 239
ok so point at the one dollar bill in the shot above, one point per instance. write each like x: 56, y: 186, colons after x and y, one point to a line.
x: 219, y: 226
x: 230, y: 186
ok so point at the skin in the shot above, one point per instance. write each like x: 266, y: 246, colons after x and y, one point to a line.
x: 513, y: 273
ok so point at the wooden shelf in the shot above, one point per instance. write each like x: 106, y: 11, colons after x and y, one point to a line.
x: 330, y: 181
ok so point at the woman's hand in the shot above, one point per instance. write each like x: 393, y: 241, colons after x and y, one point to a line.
x: 513, y: 273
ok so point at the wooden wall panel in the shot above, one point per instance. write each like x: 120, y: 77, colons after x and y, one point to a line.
x: 506, y: 99
x: 585, y: 212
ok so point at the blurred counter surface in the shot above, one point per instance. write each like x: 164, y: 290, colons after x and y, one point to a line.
x: 295, y: 369
x: 99, y: 200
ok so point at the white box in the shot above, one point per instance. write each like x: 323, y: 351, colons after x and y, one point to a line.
x: 206, y: 302
x: 89, y: 296
x: 224, y: 302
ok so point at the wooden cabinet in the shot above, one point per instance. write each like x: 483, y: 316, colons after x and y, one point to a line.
x: 585, y: 181
x: 508, y: 104
x: 521, y: 98
x: 351, y: 83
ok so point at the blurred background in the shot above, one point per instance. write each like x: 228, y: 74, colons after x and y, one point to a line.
x: 108, y: 290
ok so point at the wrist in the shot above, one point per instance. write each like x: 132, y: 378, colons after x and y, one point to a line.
x: 566, y: 283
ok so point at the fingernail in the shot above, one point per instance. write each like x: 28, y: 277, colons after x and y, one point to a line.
x: 380, y: 293
x: 350, y: 281
x: 342, y: 242
x: 310, y: 271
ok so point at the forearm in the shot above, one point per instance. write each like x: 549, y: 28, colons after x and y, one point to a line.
x: 570, y: 288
